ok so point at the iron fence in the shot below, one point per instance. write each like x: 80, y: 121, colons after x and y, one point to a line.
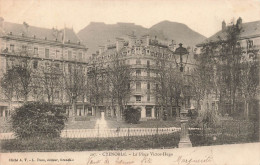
x: 104, y: 133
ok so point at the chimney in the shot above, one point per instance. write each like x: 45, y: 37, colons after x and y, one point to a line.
x: 172, y: 45
x: 25, y: 28
x: 224, y: 25
x: 119, y: 44
x: 239, y: 23
x: 132, y: 40
x: 145, y: 40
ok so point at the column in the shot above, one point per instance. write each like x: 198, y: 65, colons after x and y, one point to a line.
x: 184, y: 139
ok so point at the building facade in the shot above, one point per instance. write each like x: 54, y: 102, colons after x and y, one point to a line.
x: 144, y: 56
x: 43, y: 49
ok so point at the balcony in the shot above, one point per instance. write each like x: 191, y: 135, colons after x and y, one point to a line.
x: 138, y: 93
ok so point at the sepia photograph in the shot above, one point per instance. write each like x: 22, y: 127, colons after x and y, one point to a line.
x: 129, y: 82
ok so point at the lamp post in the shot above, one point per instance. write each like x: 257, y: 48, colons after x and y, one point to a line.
x: 184, y: 139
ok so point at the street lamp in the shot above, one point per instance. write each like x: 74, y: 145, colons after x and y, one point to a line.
x: 184, y: 139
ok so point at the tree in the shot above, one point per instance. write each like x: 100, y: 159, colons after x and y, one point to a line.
x: 38, y: 120
x: 18, y: 80
x: 249, y: 81
x: 223, y: 72
x: 25, y: 79
x: 169, y: 83
x: 119, y: 78
x: 132, y: 115
x: 9, y: 83
x: 161, y: 85
x: 75, y: 82
x: 50, y: 80
x: 95, y: 84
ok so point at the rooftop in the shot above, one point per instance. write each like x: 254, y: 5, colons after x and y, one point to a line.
x: 66, y: 34
x: 249, y: 30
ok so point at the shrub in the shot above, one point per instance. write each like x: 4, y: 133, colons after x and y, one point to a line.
x: 132, y: 115
x: 38, y: 119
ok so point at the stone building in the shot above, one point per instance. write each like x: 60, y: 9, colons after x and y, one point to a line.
x: 142, y: 54
x: 44, y: 48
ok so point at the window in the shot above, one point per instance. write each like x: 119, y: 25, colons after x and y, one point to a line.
x: 24, y: 48
x: 69, y: 67
x: 69, y: 55
x: 147, y: 51
x: 57, y: 53
x: 35, y: 64
x: 148, y: 97
x: 138, y: 62
x: 148, y: 86
x: 47, y: 53
x: 157, y: 87
x: 80, y: 55
x: 138, y: 86
x: 12, y: 48
x: 57, y: 66
x: 138, y: 72
x: 138, y: 98
x: 148, y: 112
x: 148, y: 63
x: 89, y: 111
x: 35, y: 50
x: 148, y: 73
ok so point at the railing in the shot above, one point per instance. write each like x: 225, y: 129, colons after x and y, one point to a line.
x: 106, y: 133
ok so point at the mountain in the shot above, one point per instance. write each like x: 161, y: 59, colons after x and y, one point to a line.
x: 99, y: 33
x: 179, y: 32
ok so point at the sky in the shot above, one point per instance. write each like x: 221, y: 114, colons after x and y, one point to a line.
x: 203, y: 16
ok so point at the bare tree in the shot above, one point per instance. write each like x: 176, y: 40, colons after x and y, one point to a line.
x: 119, y: 78
x: 95, y: 84
x: 50, y: 80
x: 9, y: 83
x: 221, y: 71
x: 75, y: 82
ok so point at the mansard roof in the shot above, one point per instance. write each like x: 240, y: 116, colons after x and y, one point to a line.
x: 62, y: 35
x: 249, y: 30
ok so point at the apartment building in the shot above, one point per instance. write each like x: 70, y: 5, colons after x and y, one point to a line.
x: 143, y: 55
x: 44, y: 48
